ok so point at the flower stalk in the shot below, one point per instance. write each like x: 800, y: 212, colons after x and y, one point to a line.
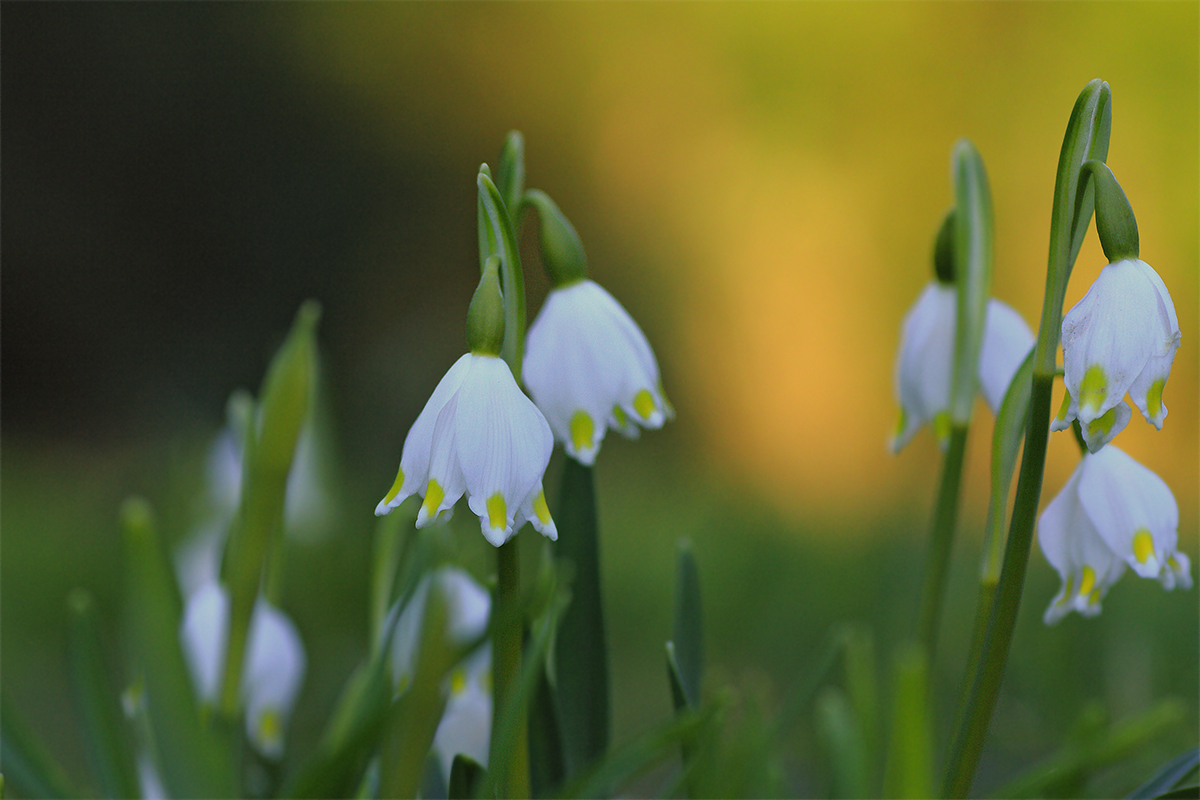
x: 1086, y: 138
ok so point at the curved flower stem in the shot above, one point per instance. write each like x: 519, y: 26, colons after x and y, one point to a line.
x: 1086, y: 138
x: 941, y: 541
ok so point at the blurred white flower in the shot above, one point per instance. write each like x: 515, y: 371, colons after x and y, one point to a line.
x: 1112, y: 513
x: 589, y: 367
x: 479, y: 435
x: 468, y: 606
x: 1121, y: 337
x: 272, y: 672
x: 466, y: 725
x: 926, y: 360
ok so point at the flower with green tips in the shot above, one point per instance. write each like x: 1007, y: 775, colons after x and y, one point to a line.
x: 481, y: 436
x: 589, y: 367
x: 1121, y: 337
x: 926, y: 359
x: 1112, y: 513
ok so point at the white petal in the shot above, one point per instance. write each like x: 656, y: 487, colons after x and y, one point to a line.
x: 466, y: 725
x: 1177, y: 572
x: 535, y: 510
x: 468, y: 605
x: 1124, y: 499
x: 225, y: 473
x: 204, y: 636
x: 924, y: 363
x: 1007, y: 339
x: 198, y: 559
x: 1110, y: 329
x: 418, y: 444
x: 503, y: 445
x: 272, y: 677
x: 446, y: 482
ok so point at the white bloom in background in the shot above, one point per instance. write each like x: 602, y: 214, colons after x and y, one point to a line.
x: 1112, y: 513
x: 272, y: 672
x: 468, y: 606
x: 466, y: 725
x: 479, y: 435
x: 926, y: 360
x: 589, y: 368
x: 1121, y: 337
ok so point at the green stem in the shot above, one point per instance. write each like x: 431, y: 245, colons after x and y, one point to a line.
x: 506, y: 666
x: 941, y: 541
x: 968, y: 745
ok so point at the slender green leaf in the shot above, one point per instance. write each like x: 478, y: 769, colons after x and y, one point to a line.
x: 547, y: 770
x: 510, y: 174
x: 1064, y: 771
x: 909, y: 771
x: 1169, y: 776
x: 973, y: 234
x: 503, y: 242
x: 796, y: 701
x: 1182, y: 793
x: 631, y: 759
x: 581, y: 651
x: 190, y: 759
x: 843, y: 742
x: 466, y: 778
x: 862, y: 689
x: 689, y: 624
x: 1007, y: 434
x: 392, y: 533
x: 105, y: 737
x: 27, y: 764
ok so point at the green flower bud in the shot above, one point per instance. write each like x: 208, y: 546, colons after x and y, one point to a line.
x: 485, y: 317
x: 562, y: 251
x: 943, y: 250
x: 1115, y: 223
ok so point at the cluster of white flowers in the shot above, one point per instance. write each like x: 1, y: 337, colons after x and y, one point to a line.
x: 1113, y: 512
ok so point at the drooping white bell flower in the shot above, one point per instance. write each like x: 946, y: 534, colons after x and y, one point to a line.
x: 272, y: 672
x: 926, y: 360
x: 479, y: 435
x: 468, y: 606
x: 1121, y: 337
x: 1112, y: 513
x: 466, y: 725
x: 589, y: 367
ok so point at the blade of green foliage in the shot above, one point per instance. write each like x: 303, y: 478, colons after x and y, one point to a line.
x: 390, y: 539
x: 510, y: 174
x: 626, y: 762
x: 909, y: 770
x: 1182, y: 793
x: 413, y: 720
x: 267, y: 458
x: 466, y: 778
x: 547, y: 770
x: 581, y: 651
x: 28, y: 766
x: 1064, y: 772
x: 190, y: 759
x: 838, y: 729
x: 1009, y: 430
x: 679, y: 698
x: 973, y: 234
x: 805, y: 689
x: 350, y: 736
x: 106, y: 744
x: 689, y: 624
x: 862, y: 689
x: 1170, y: 776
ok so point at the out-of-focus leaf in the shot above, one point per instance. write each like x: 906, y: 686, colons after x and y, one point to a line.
x: 689, y: 624
x: 1064, y: 771
x: 27, y: 764
x: 909, y: 768
x: 546, y: 768
x: 510, y: 174
x: 391, y: 533
x: 466, y: 778
x: 629, y: 760
x: 1007, y: 434
x: 106, y: 744
x: 581, y: 651
x: 190, y: 758
x: 842, y: 738
x: 862, y: 689
x: 433, y: 783
x: 802, y: 692
x: 1167, y: 778
x: 1182, y: 793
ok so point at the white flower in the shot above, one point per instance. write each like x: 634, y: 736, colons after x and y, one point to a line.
x: 478, y: 435
x: 466, y: 725
x: 589, y: 367
x: 923, y: 368
x: 468, y: 606
x: 272, y: 672
x: 1121, y: 337
x: 1112, y: 513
